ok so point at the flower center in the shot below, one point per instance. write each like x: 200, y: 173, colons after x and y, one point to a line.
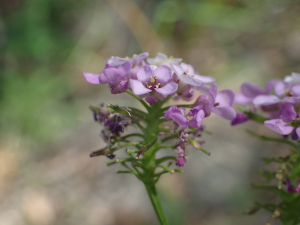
x: 288, y: 92
x: 153, y: 84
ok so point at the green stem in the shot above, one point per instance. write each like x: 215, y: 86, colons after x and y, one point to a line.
x: 139, y: 99
x: 265, y: 138
x: 151, y: 190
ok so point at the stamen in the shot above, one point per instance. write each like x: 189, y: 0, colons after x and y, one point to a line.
x: 171, y: 57
x: 186, y: 71
x: 152, y: 79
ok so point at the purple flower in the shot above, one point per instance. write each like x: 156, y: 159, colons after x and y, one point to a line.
x: 240, y: 118
x: 288, y: 122
x: 162, y: 59
x: 115, y: 77
x: 290, y: 188
x: 218, y: 102
x: 156, y: 82
x: 180, y: 118
x: 279, y: 126
x: 116, y: 123
x: 183, y: 135
x: 135, y: 60
x: 187, y: 75
x: 198, y: 114
x: 198, y: 132
x: 293, y: 79
x: 180, y: 160
x: 185, y: 91
x: 177, y: 115
x: 249, y: 91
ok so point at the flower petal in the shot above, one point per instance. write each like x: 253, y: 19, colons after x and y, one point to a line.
x: 204, y: 89
x: 240, y: 118
x: 140, y: 57
x: 119, y: 88
x: 177, y: 69
x: 196, y: 121
x: 151, y: 100
x: 188, y: 67
x: 225, y: 98
x: 225, y: 112
x: 180, y: 119
x: 271, y: 83
x: 172, y: 109
x: 175, y: 60
x: 91, y: 78
x: 117, y: 61
x: 138, y: 88
x: 296, y: 89
x: 195, y: 80
x: 280, y: 88
x: 294, y: 78
x: 242, y: 99
x: 293, y: 100
x: 279, y: 126
x: 266, y: 100
x: 212, y: 94
x: 194, y: 110
x: 144, y: 73
x: 124, y: 68
x: 163, y: 74
x: 169, y: 89
x: 110, y: 75
x: 287, y: 112
x: 251, y: 90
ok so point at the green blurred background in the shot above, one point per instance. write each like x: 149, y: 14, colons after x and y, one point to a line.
x: 46, y: 128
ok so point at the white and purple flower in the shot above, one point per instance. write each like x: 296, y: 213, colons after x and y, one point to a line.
x: 116, y: 77
x: 155, y: 82
x: 219, y: 103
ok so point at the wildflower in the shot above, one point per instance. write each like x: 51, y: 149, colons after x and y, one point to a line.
x: 249, y: 91
x: 162, y: 59
x: 240, y: 118
x: 294, y: 78
x: 180, y: 150
x: 187, y: 75
x: 287, y: 123
x: 115, y: 77
x: 156, y: 82
x: 135, y: 60
x: 217, y: 102
x: 198, y: 114
x: 178, y: 116
x: 291, y: 188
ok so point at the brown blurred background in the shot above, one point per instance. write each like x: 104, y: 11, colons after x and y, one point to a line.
x: 47, y: 130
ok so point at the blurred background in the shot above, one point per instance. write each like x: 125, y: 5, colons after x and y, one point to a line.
x: 47, y: 130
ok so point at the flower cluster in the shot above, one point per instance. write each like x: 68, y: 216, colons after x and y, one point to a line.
x: 114, y: 123
x: 280, y: 100
x: 211, y: 101
x: 157, y: 80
